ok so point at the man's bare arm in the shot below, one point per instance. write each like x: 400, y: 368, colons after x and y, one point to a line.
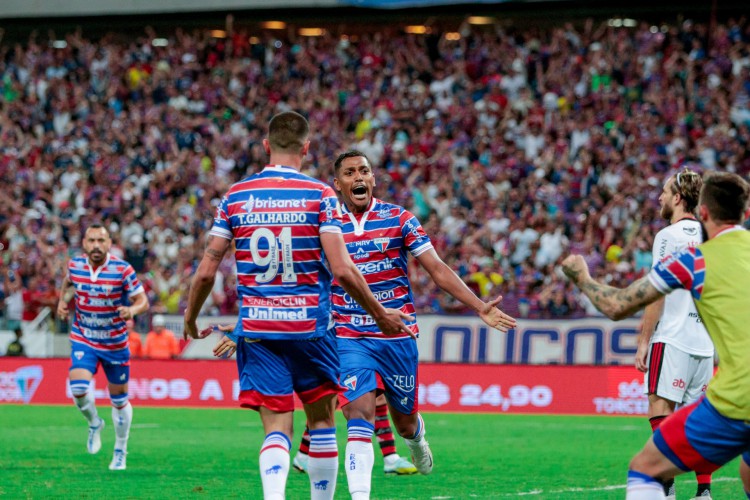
x: 203, y: 280
x: 615, y: 303
x: 620, y: 303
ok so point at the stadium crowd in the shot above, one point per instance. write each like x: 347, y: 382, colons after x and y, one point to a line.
x: 513, y: 147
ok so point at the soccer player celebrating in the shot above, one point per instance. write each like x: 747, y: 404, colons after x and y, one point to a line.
x: 708, y: 433
x: 107, y: 294
x: 379, y: 237
x: 677, y: 355
x: 283, y: 222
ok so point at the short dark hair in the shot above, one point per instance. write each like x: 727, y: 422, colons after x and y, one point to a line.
x: 352, y: 153
x: 687, y: 183
x: 287, y: 132
x: 97, y: 225
x: 725, y: 195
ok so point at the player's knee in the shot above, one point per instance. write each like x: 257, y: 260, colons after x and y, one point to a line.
x: 119, y: 400
x: 79, y: 388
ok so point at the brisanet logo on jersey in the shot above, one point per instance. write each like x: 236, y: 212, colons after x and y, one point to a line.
x: 20, y: 385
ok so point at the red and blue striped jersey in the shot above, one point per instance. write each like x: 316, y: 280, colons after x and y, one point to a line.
x: 685, y: 269
x: 378, y: 241
x: 276, y: 218
x: 98, y: 294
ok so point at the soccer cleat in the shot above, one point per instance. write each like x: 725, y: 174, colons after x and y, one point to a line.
x: 300, y: 462
x: 118, y: 460
x: 94, y: 443
x: 706, y: 495
x: 401, y: 467
x: 421, y: 455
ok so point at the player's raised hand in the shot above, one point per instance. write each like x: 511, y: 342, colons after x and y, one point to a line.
x: 392, y: 323
x: 576, y: 269
x: 496, y: 318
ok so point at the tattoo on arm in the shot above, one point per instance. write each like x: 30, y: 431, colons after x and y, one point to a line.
x: 618, y: 303
x: 212, y: 253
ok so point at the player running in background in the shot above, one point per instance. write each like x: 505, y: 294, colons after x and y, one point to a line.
x: 677, y: 355
x: 104, y: 287
x: 379, y: 237
x: 706, y: 434
x: 283, y: 222
x: 393, y: 463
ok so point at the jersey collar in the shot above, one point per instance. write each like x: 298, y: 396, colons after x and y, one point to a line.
x: 359, y: 225
x: 94, y: 273
x: 729, y: 229
x: 282, y: 168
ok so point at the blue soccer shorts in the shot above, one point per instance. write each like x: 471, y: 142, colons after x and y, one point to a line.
x: 699, y: 438
x: 116, y: 364
x: 272, y: 370
x: 394, y: 360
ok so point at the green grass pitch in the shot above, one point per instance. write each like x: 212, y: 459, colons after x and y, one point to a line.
x: 199, y: 453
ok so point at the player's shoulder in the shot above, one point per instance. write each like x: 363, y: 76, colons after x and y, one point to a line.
x: 385, y: 210
x: 77, y: 261
x: 118, y: 263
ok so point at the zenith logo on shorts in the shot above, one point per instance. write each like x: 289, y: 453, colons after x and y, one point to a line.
x: 351, y: 383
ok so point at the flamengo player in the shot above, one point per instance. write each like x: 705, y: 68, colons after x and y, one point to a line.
x: 680, y: 353
x: 379, y: 237
x: 103, y: 288
x: 283, y: 222
x: 709, y: 433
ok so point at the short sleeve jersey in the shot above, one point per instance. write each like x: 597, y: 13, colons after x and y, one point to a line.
x: 379, y: 242
x: 98, y: 294
x: 276, y: 218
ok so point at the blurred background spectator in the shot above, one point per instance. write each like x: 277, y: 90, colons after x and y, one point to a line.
x: 160, y: 342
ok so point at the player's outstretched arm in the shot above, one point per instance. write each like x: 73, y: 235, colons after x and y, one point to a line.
x: 615, y: 303
x: 449, y: 282
x: 390, y: 321
x: 202, y: 283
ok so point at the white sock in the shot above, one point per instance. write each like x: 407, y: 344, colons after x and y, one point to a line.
x: 359, y: 458
x: 274, y: 465
x: 87, y: 405
x: 122, y: 417
x: 643, y: 487
x: 420, y: 431
x: 323, y: 464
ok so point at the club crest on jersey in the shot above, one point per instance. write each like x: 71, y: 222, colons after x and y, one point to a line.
x: 384, y: 213
x: 351, y: 383
x: 78, y: 355
x: 382, y: 244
